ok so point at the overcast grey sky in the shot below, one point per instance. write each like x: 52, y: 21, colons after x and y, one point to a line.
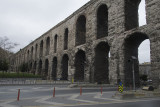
x: 23, y: 21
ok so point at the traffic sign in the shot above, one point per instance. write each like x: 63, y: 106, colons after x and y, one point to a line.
x: 120, y: 88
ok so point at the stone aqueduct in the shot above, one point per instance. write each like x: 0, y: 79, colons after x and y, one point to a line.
x: 95, y: 43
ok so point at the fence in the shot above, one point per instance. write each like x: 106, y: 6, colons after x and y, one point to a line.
x: 39, y: 81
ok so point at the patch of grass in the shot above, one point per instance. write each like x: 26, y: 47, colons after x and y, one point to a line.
x: 18, y: 75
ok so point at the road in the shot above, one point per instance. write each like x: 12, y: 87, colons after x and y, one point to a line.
x: 10, y: 92
x: 147, y: 103
x: 42, y: 96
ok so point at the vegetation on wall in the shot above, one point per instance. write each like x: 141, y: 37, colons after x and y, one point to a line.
x: 144, y: 77
x: 18, y: 75
x: 24, y: 67
x: 4, y: 65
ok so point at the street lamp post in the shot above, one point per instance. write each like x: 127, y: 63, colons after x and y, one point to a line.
x: 133, y: 71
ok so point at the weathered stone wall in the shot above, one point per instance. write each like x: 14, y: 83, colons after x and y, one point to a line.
x: 121, y: 43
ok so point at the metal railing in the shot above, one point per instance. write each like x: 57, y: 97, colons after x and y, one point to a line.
x: 29, y: 81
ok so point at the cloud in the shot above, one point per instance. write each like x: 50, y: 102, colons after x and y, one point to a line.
x: 44, y: 11
x: 26, y: 20
x: 144, y: 51
x: 142, y: 13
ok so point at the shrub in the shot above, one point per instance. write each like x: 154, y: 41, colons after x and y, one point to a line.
x: 23, y: 67
x: 4, y: 65
x: 18, y: 75
x: 143, y: 77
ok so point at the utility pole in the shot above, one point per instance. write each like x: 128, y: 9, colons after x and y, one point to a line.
x: 133, y: 71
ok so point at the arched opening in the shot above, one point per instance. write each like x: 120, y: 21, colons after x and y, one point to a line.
x: 131, y: 44
x: 40, y: 67
x: 54, y: 68
x: 46, y: 68
x: 144, y: 52
x: 144, y: 59
x: 101, y: 64
x: 18, y: 60
x: 81, y: 30
x: 30, y: 67
x: 66, y: 39
x: 41, y: 48
x: 55, y: 43
x: 27, y: 55
x: 142, y: 13
x: 36, y: 51
x: 80, y: 60
x: 34, y: 68
x: 102, y: 21
x: 32, y: 53
x: 64, y: 75
x: 131, y: 14
x: 47, y: 45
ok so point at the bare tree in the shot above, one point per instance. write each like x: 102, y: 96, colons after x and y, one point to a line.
x: 6, y: 44
x: 5, y: 53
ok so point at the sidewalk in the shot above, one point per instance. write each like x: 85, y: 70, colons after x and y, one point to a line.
x: 137, y: 94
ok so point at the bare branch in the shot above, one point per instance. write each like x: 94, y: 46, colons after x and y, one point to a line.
x: 6, y: 44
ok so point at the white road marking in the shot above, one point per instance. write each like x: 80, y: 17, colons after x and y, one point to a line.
x: 99, y: 96
x: 74, y: 98
x: 43, y: 100
x: 5, y: 104
x: 6, y: 92
x: 35, y: 88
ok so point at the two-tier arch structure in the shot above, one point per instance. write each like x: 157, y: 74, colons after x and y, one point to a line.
x: 95, y: 44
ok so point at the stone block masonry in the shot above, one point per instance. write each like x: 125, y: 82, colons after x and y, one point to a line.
x: 95, y: 44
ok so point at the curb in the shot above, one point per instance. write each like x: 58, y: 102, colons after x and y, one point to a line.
x: 136, y: 95
x: 91, y: 85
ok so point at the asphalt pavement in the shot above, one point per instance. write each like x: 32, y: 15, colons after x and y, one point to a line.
x: 42, y: 96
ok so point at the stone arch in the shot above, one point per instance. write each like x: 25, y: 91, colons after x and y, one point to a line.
x: 28, y: 55
x: 41, y: 48
x: 64, y: 75
x: 36, y: 48
x: 81, y: 30
x: 131, y: 44
x: 55, y: 43
x: 30, y: 67
x: 66, y: 39
x: 47, y: 45
x: 131, y: 14
x: 32, y: 49
x: 54, y: 68
x: 101, y: 63
x: 35, y: 67
x: 80, y: 60
x: 40, y: 67
x: 46, y: 68
x: 102, y: 21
